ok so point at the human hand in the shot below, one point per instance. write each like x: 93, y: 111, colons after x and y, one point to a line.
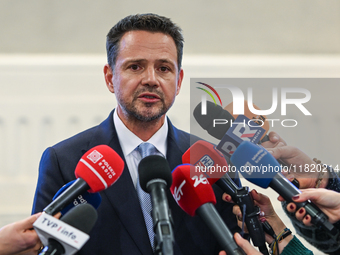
x: 267, y: 212
x: 20, y: 237
x: 327, y: 200
x: 299, y: 166
x: 244, y: 245
x: 274, y: 141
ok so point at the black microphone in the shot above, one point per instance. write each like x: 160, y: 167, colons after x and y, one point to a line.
x: 214, y: 112
x: 154, y: 178
x: 60, y: 238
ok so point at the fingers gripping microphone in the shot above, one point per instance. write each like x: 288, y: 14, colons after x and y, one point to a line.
x: 258, y: 166
x: 97, y: 170
x: 93, y: 199
x: 203, y: 155
x: 67, y: 235
x: 155, y: 178
x: 196, y: 196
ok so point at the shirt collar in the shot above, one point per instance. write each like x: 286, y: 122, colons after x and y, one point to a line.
x: 129, y: 141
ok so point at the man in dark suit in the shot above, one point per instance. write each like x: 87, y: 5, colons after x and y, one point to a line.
x: 144, y: 72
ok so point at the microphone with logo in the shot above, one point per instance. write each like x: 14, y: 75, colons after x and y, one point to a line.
x: 155, y: 178
x: 93, y: 199
x: 209, y: 161
x: 253, y: 119
x: 222, y: 125
x: 97, y: 170
x: 195, y: 195
x: 67, y: 235
x: 258, y: 166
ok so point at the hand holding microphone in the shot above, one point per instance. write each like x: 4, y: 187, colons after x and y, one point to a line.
x: 301, y: 167
x: 244, y: 245
x: 261, y: 168
x: 67, y: 235
x: 327, y: 200
x: 20, y: 237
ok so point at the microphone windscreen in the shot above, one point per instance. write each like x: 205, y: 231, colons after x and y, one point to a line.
x: 154, y: 167
x: 207, y: 121
x: 258, y: 119
x: 100, y: 167
x: 93, y: 199
x: 204, y: 156
x: 255, y: 163
x: 82, y: 217
x: 190, y: 192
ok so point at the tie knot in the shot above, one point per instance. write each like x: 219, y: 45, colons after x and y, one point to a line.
x: 146, y: 149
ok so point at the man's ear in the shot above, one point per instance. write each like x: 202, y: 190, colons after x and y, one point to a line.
x: 179, y: 82
x: 108, y: 75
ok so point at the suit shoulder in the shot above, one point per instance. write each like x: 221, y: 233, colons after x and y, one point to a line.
x: 80, y: 140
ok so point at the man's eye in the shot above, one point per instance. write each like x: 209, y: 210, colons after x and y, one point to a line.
x: 134, y: 67
x: 164, y: 69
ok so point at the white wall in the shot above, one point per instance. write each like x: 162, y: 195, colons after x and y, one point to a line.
x: 47, y: 98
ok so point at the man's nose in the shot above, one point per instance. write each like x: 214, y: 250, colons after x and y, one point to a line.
x: 150, y: 77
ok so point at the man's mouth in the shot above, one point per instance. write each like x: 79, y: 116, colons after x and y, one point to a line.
x: 149, y: 98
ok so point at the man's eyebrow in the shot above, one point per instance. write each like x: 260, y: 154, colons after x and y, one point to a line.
x: 165, y: 60
x: 138, y: 60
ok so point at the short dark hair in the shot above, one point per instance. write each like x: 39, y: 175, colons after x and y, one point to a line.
x: 145, y: 22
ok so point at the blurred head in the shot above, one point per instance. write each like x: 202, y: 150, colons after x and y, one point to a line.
x: 144, y: 22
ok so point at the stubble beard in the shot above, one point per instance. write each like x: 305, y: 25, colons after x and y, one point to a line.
x: 134, y: 112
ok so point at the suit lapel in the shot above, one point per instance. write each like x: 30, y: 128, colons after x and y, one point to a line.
x: 176, y: 148
x: 122, y: 194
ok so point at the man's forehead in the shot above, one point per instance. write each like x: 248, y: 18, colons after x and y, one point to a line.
x: 143, y: 45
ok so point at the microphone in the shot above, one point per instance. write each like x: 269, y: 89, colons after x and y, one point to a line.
x: 195, y: 195
x: 229, y: 130
x: 258, y: 166
x: 154, y: 178
x: 210, y: 161
x: 97, y: 170
x: 93, y: 199
x: 214, y: 112
x: 257, y: 119
x: 67, y: 235
x: 206, y: 159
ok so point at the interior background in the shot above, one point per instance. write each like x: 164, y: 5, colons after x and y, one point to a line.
x: 52, y: 54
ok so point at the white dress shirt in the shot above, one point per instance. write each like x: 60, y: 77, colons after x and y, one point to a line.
x: 129, y: 142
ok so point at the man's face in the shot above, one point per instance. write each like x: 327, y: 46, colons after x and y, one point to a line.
x: 146, y: 78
